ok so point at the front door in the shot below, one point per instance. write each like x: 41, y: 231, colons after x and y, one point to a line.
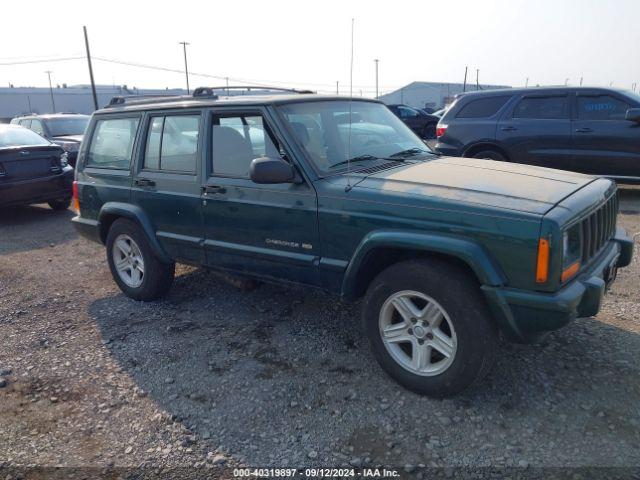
x: 537, y: 131
x: 604, y: 142
x: 263, y: 230
x: 166, y: 182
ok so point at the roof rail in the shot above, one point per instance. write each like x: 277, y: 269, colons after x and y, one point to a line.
x: 210, y: 91
x: 142, y: 99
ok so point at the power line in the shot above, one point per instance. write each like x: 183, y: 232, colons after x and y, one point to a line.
x: 27, y: 62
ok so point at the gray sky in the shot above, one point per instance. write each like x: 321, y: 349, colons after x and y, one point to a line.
x: 306, y: 43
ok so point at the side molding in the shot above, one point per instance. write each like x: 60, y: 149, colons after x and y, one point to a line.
x: 136, y: 214
x: 472, y: 254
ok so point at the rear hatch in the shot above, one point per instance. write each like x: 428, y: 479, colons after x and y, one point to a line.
x: 25, y: 163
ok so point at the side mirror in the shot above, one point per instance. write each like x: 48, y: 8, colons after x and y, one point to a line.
x: 633, y: 115
x: 272, y: 170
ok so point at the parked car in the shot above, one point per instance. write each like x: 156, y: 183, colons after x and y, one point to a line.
x: 64, y: 129
x: 444, y: 252
x: 423, y: 124
x: 588, y: 130
x: 32, y: 170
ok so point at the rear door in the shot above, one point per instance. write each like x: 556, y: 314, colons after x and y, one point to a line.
x: 263, y: 230
x: 166, y: 181
x: 537, y: 130
x: 604, y: 142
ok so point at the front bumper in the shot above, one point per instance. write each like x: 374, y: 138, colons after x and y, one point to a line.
x: 525, y: 316
x: 37, y: 190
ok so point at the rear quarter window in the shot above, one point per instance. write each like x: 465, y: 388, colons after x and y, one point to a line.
x: 483, y: 107
x: 112, y: 143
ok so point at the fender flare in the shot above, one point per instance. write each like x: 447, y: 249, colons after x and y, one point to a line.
x: 135, y: 213
x: 471, y: 253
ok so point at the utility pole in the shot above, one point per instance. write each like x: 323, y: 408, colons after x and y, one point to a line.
x: 337, y: 88
x: 53, y: 103
x: 377, y: 61
x: 464, y: 85
x: 93, y: 83
x: 566, y: 82
x: 526, y: 83
x: 477, y: 79
x: 186, y: 69
x: 227, y: 79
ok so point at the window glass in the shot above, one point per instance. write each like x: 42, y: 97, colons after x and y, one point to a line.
x: 172, y: 143
x: 71, y: 125
x: 152, y: 152
x: 26, y: 123
x: 542, y: 108
x: 112, y: 143
x: 374, y: 134
x: 36, y: 126
x: 406, y: 112
x: 601, y: 107
x: 237, y: 140
x: 482, y: 107
x: 16, y: 136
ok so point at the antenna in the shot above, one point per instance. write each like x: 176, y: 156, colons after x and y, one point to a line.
x: 348, y: 187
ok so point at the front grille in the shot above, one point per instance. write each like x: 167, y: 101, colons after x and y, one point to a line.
x: 598, y: 228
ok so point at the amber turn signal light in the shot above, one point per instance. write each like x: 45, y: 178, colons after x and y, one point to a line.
x: 76, y: 202
x: 542, y: 269
x: 570, y: 271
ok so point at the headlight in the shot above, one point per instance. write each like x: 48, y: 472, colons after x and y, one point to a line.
x: 64, y: 159
x: 571, y: 252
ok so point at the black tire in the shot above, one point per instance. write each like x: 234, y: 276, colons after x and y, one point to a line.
x: 63, y: 204
x: 158, y: 276
x: 490, y: 155
x: 459, y: 295
x: 429, y: 131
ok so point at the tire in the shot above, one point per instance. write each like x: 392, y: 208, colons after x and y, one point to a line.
x: 490, y: 155
x: 465, y: 321
x: 63, y: 204
x: 142, y: 275
x: 429, y: 131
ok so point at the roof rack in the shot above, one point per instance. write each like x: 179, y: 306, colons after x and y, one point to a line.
x: 210, y: 91
x: 200, y: 92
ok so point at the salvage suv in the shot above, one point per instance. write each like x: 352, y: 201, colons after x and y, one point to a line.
x: 446, y: 253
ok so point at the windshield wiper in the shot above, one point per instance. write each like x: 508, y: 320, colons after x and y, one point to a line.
x: 409, y: 152
x: 357, y: 158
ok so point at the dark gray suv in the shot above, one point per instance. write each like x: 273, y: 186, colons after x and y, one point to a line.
x: 587, y: 130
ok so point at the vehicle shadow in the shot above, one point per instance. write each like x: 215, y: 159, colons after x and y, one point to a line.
x: 23, y: 228
x: 629, y: 198
x: 259, y: 371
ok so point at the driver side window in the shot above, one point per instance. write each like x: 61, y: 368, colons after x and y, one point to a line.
x: 238, y: 139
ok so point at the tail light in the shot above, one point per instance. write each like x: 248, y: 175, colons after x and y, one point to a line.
x: 76, y: 200
x: 441, y: 130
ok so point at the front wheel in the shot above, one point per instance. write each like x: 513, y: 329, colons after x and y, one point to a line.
x: 133, y: 264
x: 490, y: 155
x: 429, y: 327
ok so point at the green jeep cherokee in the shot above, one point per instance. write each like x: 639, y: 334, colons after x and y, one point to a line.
x: 340, y: 195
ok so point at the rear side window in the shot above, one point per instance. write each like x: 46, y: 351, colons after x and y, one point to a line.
x: 112, y: 143
x: 483, y: 107
x: 601, y: 107
x: 237, y: 140
x: 172, y: 143
x: 542, y: 108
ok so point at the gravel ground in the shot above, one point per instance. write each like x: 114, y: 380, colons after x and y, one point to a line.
x: 216, y: 376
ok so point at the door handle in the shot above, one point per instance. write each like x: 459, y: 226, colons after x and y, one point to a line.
x: 509, y: 129
x: 143, y: 182
x: 213, y: 189
x: 584, y: 130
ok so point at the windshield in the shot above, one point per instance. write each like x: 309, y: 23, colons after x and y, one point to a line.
x: 14, y: 136
x: 59, y: 127
x: 322, y: 128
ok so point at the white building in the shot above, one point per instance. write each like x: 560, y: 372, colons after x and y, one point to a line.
x: 431, y: 94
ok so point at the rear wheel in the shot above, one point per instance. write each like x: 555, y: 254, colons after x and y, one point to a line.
x: 429, y: 327
x: 63, y: 204
x: 490, y: 155
x: 134, y: 266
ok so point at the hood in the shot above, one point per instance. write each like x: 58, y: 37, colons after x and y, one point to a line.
x: 489, y: 183
x: 68, y: 138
